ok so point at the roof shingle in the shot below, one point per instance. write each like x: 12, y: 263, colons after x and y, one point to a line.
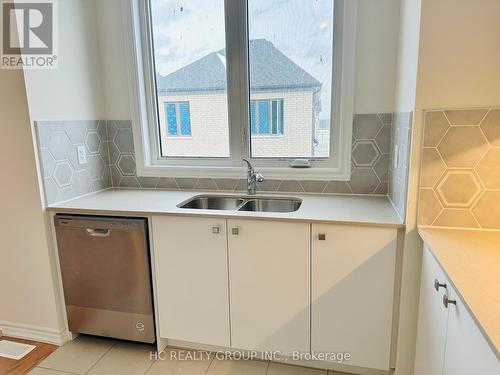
x: 270, y: 69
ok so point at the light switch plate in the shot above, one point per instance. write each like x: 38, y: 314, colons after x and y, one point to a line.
x: 82, y: 155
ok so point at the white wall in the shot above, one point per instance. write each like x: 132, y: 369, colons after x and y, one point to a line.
x: 73, y: 91
x: 376, y: 55
x: 407, y: 58
x: 459, y: 62
x: 458, y: 67
x: 113, y: 66
x: 27, y: 294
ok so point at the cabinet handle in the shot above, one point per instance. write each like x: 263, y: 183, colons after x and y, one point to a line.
x: 322, y: 237
x: 235, y: 231
x: 447, y: 301
x: 216, y: 230
x: 438, y: 285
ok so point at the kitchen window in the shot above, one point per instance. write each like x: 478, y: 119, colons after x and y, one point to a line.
x: 216, y: 81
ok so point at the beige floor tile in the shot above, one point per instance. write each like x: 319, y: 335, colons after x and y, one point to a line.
x: 77, y: 356
x: 280, y: 369
x: 178, y: 361
x: 125, y: 359
x: 237, y: 367
x: 46, y: 371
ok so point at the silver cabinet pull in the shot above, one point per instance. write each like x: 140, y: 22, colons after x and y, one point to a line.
x: 235, y: 231
x: 322, y: 237
x: 447, y: 301
x: 438, y: 285
x: 216, y: 230
x: 98, y: 232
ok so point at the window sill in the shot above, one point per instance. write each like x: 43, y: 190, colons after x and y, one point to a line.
x: 325, y: 174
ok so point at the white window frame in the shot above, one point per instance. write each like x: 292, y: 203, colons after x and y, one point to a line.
x: 143, y: 101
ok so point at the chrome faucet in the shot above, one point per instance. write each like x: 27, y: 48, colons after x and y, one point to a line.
x: 252, y: 178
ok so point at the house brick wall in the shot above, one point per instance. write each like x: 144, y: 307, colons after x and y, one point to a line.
x: 209, y: 126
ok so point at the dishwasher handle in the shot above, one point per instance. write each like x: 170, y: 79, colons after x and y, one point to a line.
x: 98, y: 232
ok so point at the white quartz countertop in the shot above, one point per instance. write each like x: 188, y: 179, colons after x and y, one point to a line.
x: 471, y: 260
x: 345, y: 209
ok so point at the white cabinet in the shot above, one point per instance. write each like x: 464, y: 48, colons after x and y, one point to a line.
x: 449, y: 341
x: 191, y: 270
x: 353, y: 273
x: 467, y: 351
x: 432, y: 318
x: 269, y: 285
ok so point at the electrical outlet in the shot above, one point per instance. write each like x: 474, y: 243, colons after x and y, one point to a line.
x: 82, y: 155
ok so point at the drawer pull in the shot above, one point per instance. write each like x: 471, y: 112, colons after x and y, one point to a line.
x: 216, y: 230
x: 447, y: 301
x: 322, y: 237
x: 438, y: 285
x: 235, y: 231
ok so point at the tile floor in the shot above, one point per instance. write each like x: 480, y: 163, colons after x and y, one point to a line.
x: 95, y: 356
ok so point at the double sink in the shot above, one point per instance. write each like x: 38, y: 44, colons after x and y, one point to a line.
x: 242, y: 203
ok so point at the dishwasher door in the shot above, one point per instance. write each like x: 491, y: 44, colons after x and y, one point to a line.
x: 106, y: 276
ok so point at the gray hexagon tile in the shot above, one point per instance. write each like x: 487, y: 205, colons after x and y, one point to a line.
x: 462, y: 146
x: 491, y: 127
x: 59, y: 145
x: 466, y: 116
x: 63, y: 174
x: 365, y: 153
x: 48, y: 163
x: 459, y: 188
x: 366, y: 126
x: 436, y: 126
x: 93, y: 142
x: 126, y: 164
x: 363, y: 181
x: 462, y: 168
x: 124, y: 141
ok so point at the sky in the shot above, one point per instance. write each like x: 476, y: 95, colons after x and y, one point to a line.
x: 185, y: 31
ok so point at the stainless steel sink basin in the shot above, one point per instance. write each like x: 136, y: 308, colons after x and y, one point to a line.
x: 244, y: 203
x: 271, y: 205
x: 213, y: 203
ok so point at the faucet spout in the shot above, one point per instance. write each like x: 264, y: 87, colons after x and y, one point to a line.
x: 252, y: 178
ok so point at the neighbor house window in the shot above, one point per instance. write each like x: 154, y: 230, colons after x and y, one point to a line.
x: 266, y: 117
x: 223, y: 80
x: 178, y: 119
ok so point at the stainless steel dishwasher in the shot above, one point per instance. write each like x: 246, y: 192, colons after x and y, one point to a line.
x: 106, y: 276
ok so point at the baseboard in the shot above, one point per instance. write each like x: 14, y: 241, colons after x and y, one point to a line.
x: 35, y: 333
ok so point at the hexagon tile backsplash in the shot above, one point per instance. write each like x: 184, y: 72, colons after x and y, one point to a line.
x: 460, y: 173
x: 111, y: 161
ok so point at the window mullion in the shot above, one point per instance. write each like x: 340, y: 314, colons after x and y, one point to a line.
x: 237, y: 77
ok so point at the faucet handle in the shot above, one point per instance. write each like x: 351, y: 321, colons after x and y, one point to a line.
x: 259, y: 177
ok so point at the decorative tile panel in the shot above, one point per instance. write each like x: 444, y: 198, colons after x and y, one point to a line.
x: 63, y: 176
x: 460, y: 167
x: 111, y: 162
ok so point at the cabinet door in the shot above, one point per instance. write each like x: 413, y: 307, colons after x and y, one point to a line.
x: 353, y: 271
x: 432, y: 319
x: 192, y: 279
x: 269, y: 285
x: 467, y: 351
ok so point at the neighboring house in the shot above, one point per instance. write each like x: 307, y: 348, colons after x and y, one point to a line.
x: 284, y: 106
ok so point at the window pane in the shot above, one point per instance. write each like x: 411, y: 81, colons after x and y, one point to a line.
x: 185, y: 118
x: 190, y: 65
x: 172, y: 119
x: 290, y: 60
x: 263, y: 116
